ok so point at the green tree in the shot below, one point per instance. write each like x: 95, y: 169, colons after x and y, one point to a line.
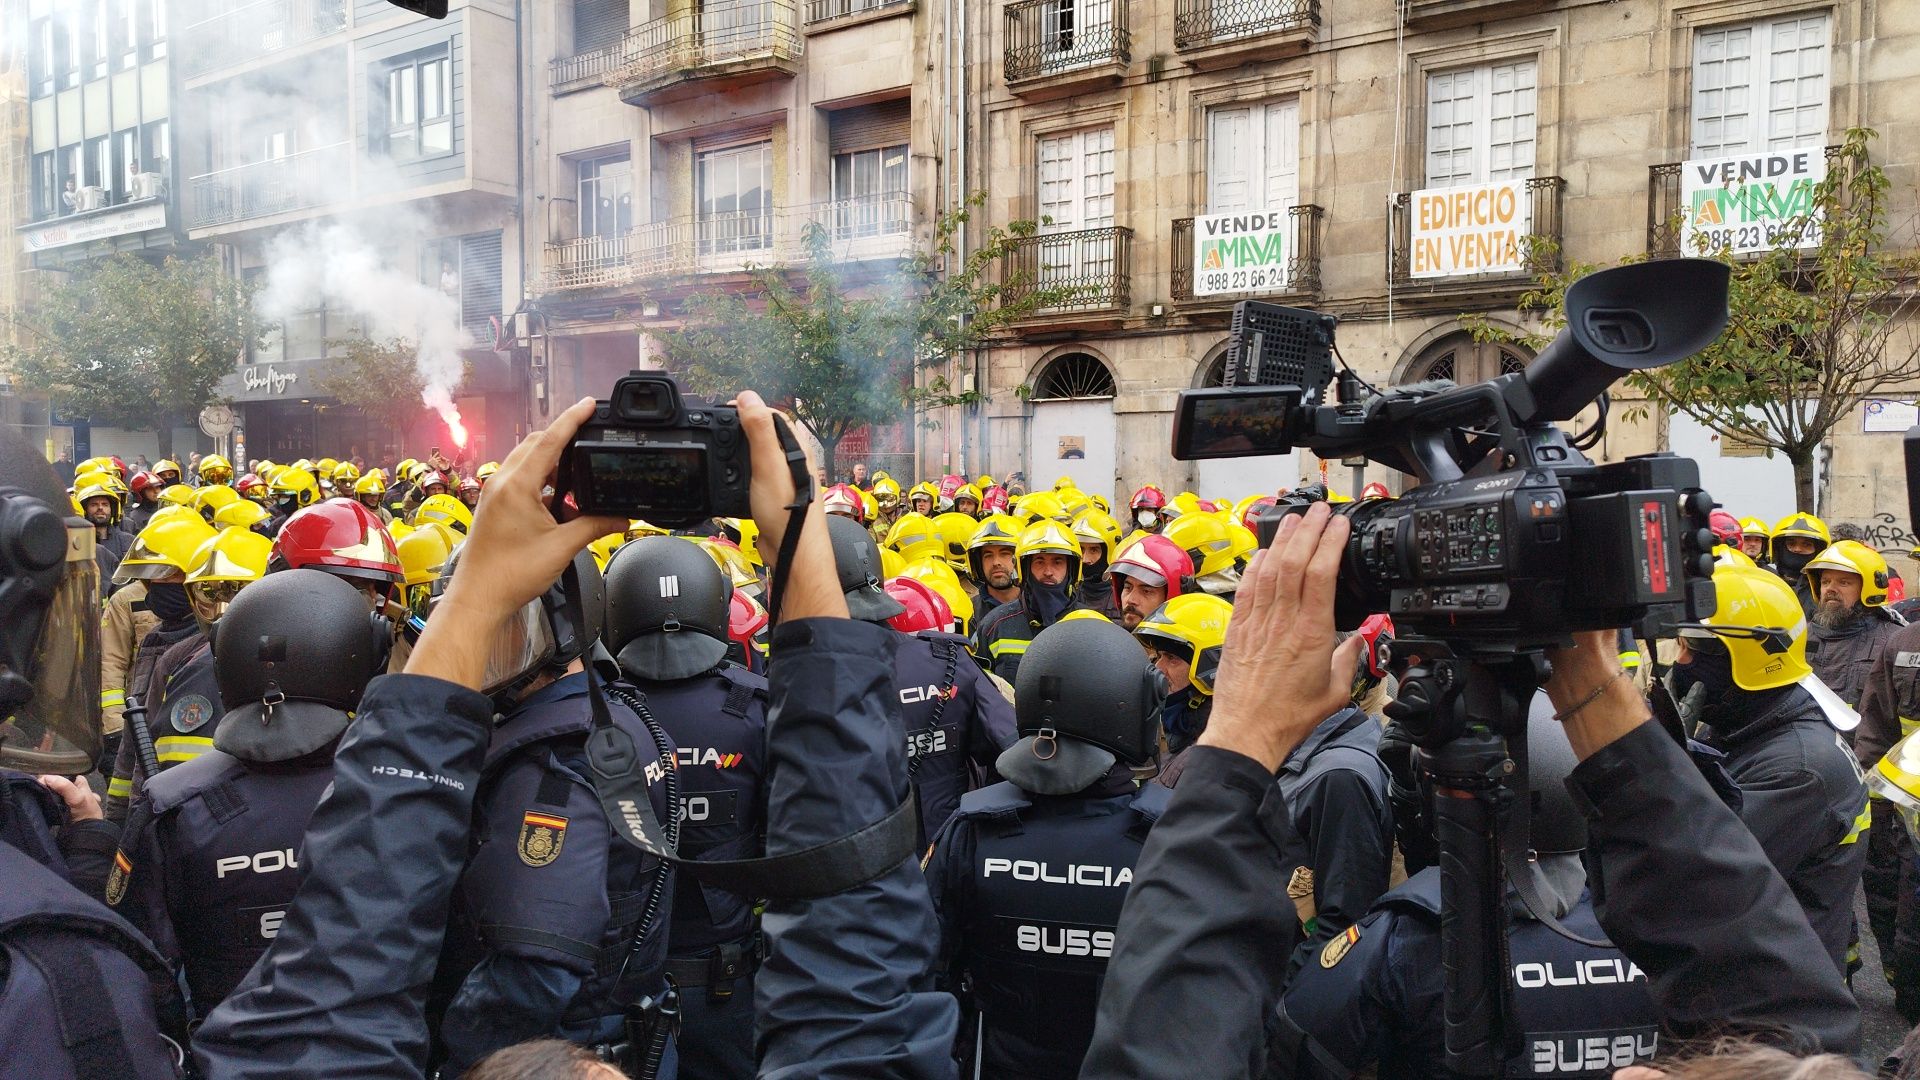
x: 137, y: 345
x: 839, y: 343
x: 1812, y: 332
x: 379, y: 378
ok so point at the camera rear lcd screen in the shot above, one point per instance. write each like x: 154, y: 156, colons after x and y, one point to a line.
x: 660, y: 478
x: 1240, y: 424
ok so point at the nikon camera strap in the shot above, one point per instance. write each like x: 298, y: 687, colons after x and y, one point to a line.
x: 620, y: 781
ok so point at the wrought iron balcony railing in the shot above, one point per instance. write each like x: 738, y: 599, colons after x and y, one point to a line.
x: 714, y: 34
x: 1050, y: 37
x: 822, y: 10
x: 265, y: 188
x: 257, y: 29
x: 1544, y: 195
x: 1303, y: 257
x: 1200, y: 23
x: 1666, y: 214
x: 863, y: 227
x: 583, y: 69
x: 1091, y: 269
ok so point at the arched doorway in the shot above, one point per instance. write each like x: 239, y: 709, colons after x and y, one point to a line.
x: 1465, y: 361
x: 1072, y: 430
x: 1234, y: 478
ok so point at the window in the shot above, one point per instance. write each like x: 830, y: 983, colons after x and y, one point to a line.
x: 598, y: 24
x: 127, y: 149
x: 1465, y: 361
x: 46, y: 187
x: 69, y: 178
x: 1253, y: 157
x: 153, y: 18
x: 126, y: 17
x: 735, y: 192
x: 156, y: 147
x: 1074, y: 375
x: 99, y: 34
x: 100, y: 172
x: 1480, y: 124
x: 1760, y: 86
x: 467, y: 270
x: 415, y: 115
x: 1076, y: 180
x: 869, y: 182
x: 41, y: 62
x: 1077, y: 32
x: 606, y: 195
x: 68, y: 35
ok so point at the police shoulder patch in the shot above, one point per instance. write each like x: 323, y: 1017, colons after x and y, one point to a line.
x: 540, y: 837
x: 1337, y: 949
x: 190, y: 713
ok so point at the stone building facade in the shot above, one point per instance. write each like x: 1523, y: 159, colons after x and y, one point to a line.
x: 1121, y: 123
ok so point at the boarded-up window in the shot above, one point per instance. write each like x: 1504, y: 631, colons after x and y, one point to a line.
x: 598, y: 24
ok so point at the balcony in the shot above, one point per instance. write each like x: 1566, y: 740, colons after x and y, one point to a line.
x: 859, y: 229
x: 1226, y: 33
x: 1440, y: 14
x: 582, y: 70
x: 1057, y: 48
x: 265, y: 188
x: 257, y: 29
x: 1093, y: 268
x: 1303, y: 261
x: 1666, y: 212
x: 719, y: 47
x: 1544, y: 194
x: 827, y: 11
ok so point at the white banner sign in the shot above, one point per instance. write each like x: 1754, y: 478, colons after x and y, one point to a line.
x: 1236, y: 253
x: 1479, y: 229
x: 1889, y: 415
x: 1756, y: 202
x: 64, y: 231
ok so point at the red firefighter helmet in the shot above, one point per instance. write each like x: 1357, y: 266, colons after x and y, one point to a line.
x: 341, y: 537
x: 1375, y: 490
x: 1896, y: 588
x: 142, y: 482
x: 994, y: 501
x: 1148, y: 497
x: 250, y: 485
x: 746, y: 620
x: 1725, y: 528
x: 1155, y: 560
x: 925, y: 609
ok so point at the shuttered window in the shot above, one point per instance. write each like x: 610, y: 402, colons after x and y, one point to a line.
x: 869, y: 127
x: 598, y: 24
x: 467, y: 269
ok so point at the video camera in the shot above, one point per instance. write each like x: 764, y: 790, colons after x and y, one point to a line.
x: 653, y: 452
x: 1513, y: 539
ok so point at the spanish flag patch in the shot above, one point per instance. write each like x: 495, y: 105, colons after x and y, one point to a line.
x: 540, y: 838
x: 1337, y: 949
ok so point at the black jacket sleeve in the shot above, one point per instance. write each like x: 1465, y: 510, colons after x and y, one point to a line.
x: 1739, y: 953
x: 1352, y: 857
x: 342, y: 990
x: 1200, y: 931
x: 846, y: 990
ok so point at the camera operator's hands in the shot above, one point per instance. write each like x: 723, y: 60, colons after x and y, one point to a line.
x: 812, y: 584
x: 1587, y: 679
x: 83, y: 804
x: 514, y: 551
x: 1281, y: 672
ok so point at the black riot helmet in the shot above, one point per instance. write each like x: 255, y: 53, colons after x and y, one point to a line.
x: 667, y: 607
x: 861, y: 578
x: 292, y: 655
x: 1085, y: 697
x: 50, y: 632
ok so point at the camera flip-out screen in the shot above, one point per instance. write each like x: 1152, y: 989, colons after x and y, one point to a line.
x: 1241, y: 422
x: 669, y: 478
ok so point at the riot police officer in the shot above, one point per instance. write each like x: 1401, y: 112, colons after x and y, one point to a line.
x: 956, y: 720
x: 1028, y: 876
x: 668, y: 608
x: 558, y: 927
x: 1373, y: 993
x: 217, y: 868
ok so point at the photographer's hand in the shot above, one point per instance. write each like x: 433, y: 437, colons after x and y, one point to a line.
x: 811, y: 584
x: 1592, y: 666
x: 513, y: 553
x: 1281, y: 673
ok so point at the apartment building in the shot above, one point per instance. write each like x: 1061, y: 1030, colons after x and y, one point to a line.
x: 335, y: 131
x: 1375, y: 161
x: 677, y: 144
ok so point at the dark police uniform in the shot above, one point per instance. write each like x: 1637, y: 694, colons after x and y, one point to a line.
x: 1028, y: 890
x: 1373, y: 994
x: 956, y: 720
x: 146, y: 679
x: 718, y: 723
x: 1890, y: 711
x: 1801, y: 795
x: 1340, y: 852
x: 543, y: 938
x: 221, y: 861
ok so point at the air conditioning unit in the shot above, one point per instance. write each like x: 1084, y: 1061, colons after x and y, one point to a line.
x: 148, y: 185
x: 90, y: 198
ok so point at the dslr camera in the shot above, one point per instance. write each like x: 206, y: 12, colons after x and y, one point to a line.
x: 1512, y: 539
x: 652, y: 451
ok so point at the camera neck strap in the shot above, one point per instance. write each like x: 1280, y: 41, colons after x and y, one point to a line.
x: 796, y: 516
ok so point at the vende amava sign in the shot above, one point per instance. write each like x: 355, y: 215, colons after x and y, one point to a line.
x: 1245, y: 252
x: 1753, y: 202
x: 1477, y: 229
